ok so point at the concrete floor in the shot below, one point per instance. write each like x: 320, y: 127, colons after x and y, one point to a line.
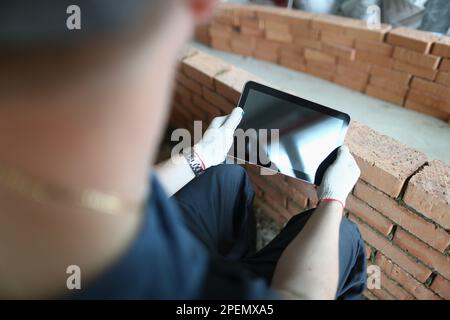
x: 414, y: 129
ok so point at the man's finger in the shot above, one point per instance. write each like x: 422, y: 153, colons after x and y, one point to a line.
x: 217, y: 122
x: 233, y: 119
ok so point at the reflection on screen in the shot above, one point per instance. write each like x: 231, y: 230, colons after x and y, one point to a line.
x: 306, y: 137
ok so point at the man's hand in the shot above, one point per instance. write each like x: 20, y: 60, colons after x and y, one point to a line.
x: 218, y: 138
x: 340, y: 177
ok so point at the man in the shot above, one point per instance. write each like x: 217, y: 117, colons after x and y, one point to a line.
x: 81, y: 118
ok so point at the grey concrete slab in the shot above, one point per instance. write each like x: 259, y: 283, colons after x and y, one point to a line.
x: 425, y: 133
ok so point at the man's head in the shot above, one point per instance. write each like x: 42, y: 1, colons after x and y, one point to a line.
x: 123, y: 56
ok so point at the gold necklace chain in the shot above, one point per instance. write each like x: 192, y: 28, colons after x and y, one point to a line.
x: 89, y: 199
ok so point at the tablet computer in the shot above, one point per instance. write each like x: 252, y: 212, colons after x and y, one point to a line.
x: 287, y: 134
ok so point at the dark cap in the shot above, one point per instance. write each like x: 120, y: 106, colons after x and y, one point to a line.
x: 24, y: 22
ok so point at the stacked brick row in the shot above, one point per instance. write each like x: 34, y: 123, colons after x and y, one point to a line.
x: 402, y: 66
x: 401, y: 202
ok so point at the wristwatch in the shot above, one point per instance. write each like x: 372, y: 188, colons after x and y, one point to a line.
x: 194, y: 162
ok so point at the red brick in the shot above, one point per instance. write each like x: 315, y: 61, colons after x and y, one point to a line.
x: 201, y: 34
x: 401, y: 78
x: 442, y: 47
x: 220, y: 30
x: 244, y: 45
x: 307, y: 43
x: 320, y: 69
x: 223, y: 17
x: 368, y: 251
x: 416, y: 58
x: 331, y: 23
x: 426, y: 73
x: 417, y: 270
x: 182, y: 92
x: 374, y: 58
x: 410, y: 284
x: 408, y: 220
x: 369, y: 215
x: 411, y: 39
x: 279, y: 27
x: 445, y: 65
x: 306, y: 189
x: 350, y: 83
x: 319, y: 56
x: 221, y: 44
x: 267, y: 210
x: 202, y: 67
x: 189, y: 83
x: 441, y: 286
x: 415, y: 101
x: 292, y: 53
x: 337, y: 39
x: 369, y: 295
x: 352, y: 73
x: 384, y: 162
x: 299, y: 19
x: 296, y: 18
x: 292, y: 58
x: 376, y: 47
x: 339, y: 51
x: 443, y: 78
x: 429, y: 192
x: 383, y: 94
x: 290, y: 191
x: 211, y: 110
x: 359, y: 29
x: 394, y: 289
x: 230, y: 84
x: 294, y: 207
x: 430, y: 257
x: 433, y: 89
x: 251, y: 26
x: 294, y: 64
x: 279, y: 36
x: 382, y: 294
x: 355, y: 65
x: 276, y: 201
x: 267, y: 50
x: 436, y: 106
x: 217, y: 100
x: 278, y: 31
x: 181, y: 110
x: 305, y: 33
x: 178, y: 120
x: 186, y: 103
x: 389, y: 85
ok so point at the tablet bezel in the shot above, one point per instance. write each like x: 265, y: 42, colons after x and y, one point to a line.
x: 302, y: 103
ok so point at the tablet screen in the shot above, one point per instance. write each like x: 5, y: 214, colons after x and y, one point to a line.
x: 299, y: 134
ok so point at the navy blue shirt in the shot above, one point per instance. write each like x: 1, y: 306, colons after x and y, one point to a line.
x: 165, y: 261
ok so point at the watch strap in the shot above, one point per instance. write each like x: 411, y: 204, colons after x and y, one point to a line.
x: 195, y: 163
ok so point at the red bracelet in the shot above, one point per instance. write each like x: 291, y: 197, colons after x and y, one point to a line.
x: 332, y: 200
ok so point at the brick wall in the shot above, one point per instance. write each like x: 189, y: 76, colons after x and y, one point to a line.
x: 401, y: 203
x: 406, y: 67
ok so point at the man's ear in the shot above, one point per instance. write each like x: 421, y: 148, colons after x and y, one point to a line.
x: 202, y: 9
